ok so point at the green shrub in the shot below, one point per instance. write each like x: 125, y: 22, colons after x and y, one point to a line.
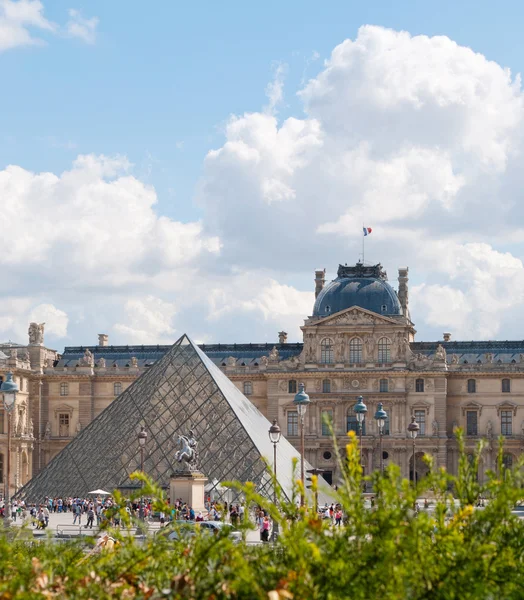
x: 389, y: 552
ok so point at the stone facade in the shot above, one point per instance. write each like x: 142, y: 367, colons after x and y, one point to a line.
x: 478, y: 386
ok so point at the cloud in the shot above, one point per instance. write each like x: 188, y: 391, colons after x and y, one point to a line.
x: 147, y: 321
x: 81, y: 27
x: 415, y: 136
x: 16, y: 21
x: 275, y: 88
x: 55, y: 320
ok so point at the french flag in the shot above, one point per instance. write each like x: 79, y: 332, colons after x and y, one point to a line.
x: 367, y: 230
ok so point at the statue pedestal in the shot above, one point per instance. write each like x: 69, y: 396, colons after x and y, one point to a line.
x: 189, y: 487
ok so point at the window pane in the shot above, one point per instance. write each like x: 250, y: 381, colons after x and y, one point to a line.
x: 383, y: 385
x: 64, y: 389
x: 472, y: 386
x: 505, y: 385
x: 420, y: 418
x: 248, y: 388
x: 355, y: 350
x: 292, y: 386
x: 419, y: 385
x: 384, y: 350
x: 326, y: 351
x: 352, y: 423
x: 471, y: 422
x: 292, y: 423
x: 506, y: 417
x: 326, y: 386
x: 117, y: 389
x: 326, y: 415
x: 2, y: 427
x: 507, y: 461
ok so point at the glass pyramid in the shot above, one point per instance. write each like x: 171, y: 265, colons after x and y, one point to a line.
x: 184, y: 390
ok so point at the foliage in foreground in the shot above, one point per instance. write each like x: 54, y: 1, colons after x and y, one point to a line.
x: 387, y: 553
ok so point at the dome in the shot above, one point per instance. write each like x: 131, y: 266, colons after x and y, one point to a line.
x: 363, y: 286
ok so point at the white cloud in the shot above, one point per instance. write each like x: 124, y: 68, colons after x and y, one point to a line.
x: 16, y: 21
x: 147, y: 321
x: 275, y: 88
x: 55, y: 320
x: 80, y: 27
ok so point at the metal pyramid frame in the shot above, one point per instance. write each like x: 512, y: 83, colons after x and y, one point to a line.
x: 183, y: 390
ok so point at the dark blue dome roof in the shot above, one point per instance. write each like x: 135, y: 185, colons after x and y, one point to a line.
x: 362, y: 286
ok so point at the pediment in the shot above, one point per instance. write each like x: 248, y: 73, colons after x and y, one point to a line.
x: 507, y: 405
x: 355, y: 315
x: 64, y: 408
x: 472, y: 405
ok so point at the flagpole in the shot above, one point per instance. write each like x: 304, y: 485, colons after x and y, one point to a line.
x: 363, y: 238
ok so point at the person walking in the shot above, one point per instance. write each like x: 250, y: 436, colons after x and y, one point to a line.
x: 77, y: 511
x: 264, y: 534
x: 90, y: 518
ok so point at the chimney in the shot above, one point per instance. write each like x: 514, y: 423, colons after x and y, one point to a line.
x: 103, y: 339
x: 447, y: 337
x: 282, y: 337
x: 403, y: 290
x: 320, y: 280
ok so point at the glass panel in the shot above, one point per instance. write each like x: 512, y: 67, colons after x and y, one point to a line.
x: 355, y: 350
x: 383, y: 385
x: 352, y: 423
x: 420, y: 418
x: 117, y: 389
x: 419, y: 385
x: 326, y: 414
x: 248, y: 388
x: 472, y: 386
x: 326, y: 386
x: 507, y: 461
x: 2, y: 421
x: 505, y: 385
x: 292, y: 386
x: 64, y: 389
x: 506, y: 422
x: 471, y: 422
x: 63, y: 425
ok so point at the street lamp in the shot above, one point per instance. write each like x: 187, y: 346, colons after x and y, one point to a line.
x: 413, y: 429
x: 142, y: 439
x: 9, y: 390
x: 380, y: 417
x: 301, y: 401
x: 360, y: 409
x: 274, y: 437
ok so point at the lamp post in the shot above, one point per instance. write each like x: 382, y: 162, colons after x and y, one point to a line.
x: 9, y: 390
x: 360, y: 410
x: 413, y: 429
x: 142, y: 439
x: 274, y: 437
x: 301, y: 401
x: 380, y: 417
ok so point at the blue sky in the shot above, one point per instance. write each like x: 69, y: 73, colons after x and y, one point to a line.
x: 156, y: 86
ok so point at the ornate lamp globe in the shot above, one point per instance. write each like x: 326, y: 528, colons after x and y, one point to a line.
x: 142, y: 437
x: 301, y: 400
x: 9, y: 389
x: 274, y: 432
x: 413, y: 428
x: 360, y: 409
x: 380, y: 416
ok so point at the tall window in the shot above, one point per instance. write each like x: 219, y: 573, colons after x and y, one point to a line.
x: 355, y: 350
x: 326, y: 386
x: 21, y: 384
x: 507, y: 461
x: 63, y: 424
x: 117, y: 388
x: 1, y: 468
x: 327, y: 417
x: 420, y: 418
x: 506, y: 385
x: 352, y: 423
x: 292, y: 386
x: 384, y: 385
x: 472, y: 386
x: 2, y: 427
x: 506, y: 422
x: 326, y: 351
x: 419, y: 385
x: 64, y: 389
x: 248, y: 388
x: 384, y: 350
x: 292, y: 423
x: 472, y: 422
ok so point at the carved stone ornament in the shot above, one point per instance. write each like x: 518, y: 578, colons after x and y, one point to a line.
x: 488, y: 357
x: 355, y: 384
x: 231, y: 361
x: 369, y: 344
x: 263, y: 360
x: 101, y: 363
x: 283, y: 385
x: 410, y: 384
x: 36, y: 333
x: 47, y: 432
x: 24, y: 355
x: 133, y: 362
x: 440, y: 353
x: 353, y: 317
x: 454, y: 359
x: 489, y: 429
x: 87, y: 360
x: 274, y: 354
x: 434, y: 427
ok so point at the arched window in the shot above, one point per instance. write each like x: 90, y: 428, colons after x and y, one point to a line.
x: 292, y: 386
x: 472, y: 386
x: 326, y: 386
x: 384, y: 350
x: 352, y: 422
x: 506, y: 385
x: 64, y: 389
x: 507, y: 461
x: 384, y: 385
x: 355, y: 351
x: 248, y: 388
x: 326, y: 351
x: 419, y: 385
x: 117, y: 388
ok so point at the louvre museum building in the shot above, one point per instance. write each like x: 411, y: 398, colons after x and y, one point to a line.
x: 358, y: 341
